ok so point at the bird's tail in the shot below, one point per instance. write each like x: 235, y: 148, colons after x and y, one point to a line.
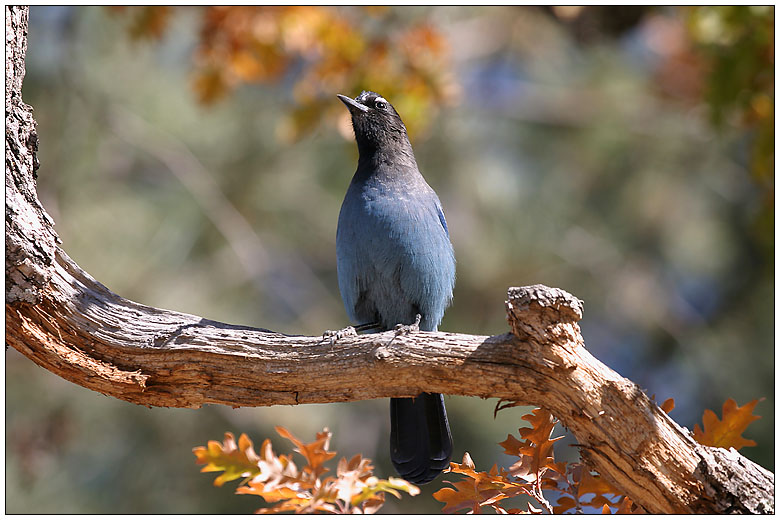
x: 420, y: 440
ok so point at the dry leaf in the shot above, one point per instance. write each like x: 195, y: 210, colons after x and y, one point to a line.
x: 535, y: 461
x: 470, y: 494
x: 727, y: 433
x: 316, y: 453
x: 234, y: 460
x: 279, y: 482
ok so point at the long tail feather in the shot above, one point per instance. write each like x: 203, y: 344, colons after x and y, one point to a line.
x: 420, y: 439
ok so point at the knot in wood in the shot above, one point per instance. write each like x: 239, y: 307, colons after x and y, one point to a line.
x: 541, y: 305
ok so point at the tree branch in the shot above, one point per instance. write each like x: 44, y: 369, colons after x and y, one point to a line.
x: 70, y: 324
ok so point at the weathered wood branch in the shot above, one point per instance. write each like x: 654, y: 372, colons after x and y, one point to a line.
x: 70, y: 324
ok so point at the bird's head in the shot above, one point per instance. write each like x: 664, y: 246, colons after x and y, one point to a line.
x: 377, y: 125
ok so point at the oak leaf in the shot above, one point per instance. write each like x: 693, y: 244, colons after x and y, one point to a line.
x: 727, y: 433
x: 277, y: 479
x: 536, y: 451
x: 478, y: 489
x: 315, y: 453
x: 579, y: 481
x: 536, y: 464
x: 234, y: 460
x: 469, y: 494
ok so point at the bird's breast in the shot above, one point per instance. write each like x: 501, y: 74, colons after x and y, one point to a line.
x: 394, y: 254
x: 399, y: 234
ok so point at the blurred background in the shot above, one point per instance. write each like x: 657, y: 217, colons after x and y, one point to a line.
x: 196, y: 158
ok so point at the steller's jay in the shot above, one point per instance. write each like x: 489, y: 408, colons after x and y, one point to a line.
x: 395, y: 262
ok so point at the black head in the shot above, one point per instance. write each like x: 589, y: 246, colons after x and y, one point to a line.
x: 377, y: 125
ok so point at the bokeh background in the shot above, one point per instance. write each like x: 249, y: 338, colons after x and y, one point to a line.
x: 195, y: 159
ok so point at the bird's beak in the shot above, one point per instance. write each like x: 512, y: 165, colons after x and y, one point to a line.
x: 352, y: 104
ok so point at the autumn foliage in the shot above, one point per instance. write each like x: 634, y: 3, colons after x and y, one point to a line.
x: 324, y: 50
x: 536, y: 470
x: 280, y: 482
x: 354, y: 489
x: 577, y: 485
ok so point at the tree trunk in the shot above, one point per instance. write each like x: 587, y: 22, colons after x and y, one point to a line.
x: 70, y: 324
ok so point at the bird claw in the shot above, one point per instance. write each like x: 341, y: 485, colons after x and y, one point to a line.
x: 335, y: 335
x: 409, y: 329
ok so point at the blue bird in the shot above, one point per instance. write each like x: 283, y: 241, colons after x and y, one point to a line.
x: 395, y: 262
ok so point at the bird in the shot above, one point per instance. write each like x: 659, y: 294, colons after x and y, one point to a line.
x: 396, y: 266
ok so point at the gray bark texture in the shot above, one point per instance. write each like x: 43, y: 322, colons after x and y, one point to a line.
x: 68, y: 323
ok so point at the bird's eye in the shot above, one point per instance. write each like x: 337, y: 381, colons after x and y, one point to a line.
x: 380, y: 105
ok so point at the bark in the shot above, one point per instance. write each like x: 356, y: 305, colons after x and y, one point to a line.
x: 70, y: 324
x: 30, y: 240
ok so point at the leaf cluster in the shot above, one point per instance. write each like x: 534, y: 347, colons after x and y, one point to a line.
x: 536, y: 470
x: 280, y: 482
x: 354, y: 488
x: 323, y: 49
x: 579, y: 486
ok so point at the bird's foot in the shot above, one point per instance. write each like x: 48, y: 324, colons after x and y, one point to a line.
x: 334, y: 335
x: 409, y: 329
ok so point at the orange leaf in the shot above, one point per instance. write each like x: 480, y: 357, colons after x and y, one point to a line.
x: 727, y: 433
x: 627, y: 508
x: 599, y: 501
x: 513, y: 446
x: 272, y: 494
x: 233, y: 460
x: 466, y: 468
x: 595, y: 484
x: 542, y: 423
x: 579, y: 481
x: 477, y: 489
x: 316, y: 453
x: 538, y: 445
x: 468, y: 494
x: 564, y: 504
x: 668, y: 405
